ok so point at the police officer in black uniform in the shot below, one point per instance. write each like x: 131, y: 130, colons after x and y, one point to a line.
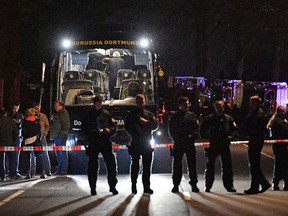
x: 255, y: 126
x: 98, y: 126
x: 184, y: 129
x: 139, y: 123
x: 279, y: 128
x: 218, y: 127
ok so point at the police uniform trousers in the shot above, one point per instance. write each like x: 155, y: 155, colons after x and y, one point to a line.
x: 227, y: 174
x: 93, y: 166
x: 254, y: 155
x: 147, y: 158
x: 280, y: 172
x: 178, y: 152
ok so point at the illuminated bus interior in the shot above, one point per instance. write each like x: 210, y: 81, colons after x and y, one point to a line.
x: 85, y: 73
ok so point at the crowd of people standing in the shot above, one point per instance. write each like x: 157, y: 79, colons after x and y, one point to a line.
x: 31, y: 129
x: 184, y: 127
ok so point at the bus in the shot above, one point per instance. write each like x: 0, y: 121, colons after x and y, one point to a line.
x: 115, y: 66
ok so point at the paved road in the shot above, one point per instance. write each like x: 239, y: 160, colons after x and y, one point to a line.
x: 71, y: 195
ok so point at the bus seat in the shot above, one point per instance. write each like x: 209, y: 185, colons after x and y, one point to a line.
x: 94, y: 76
x: 72, y: 75
x: 71, y: 88
x: 124, y: 74
x: 84, y: 97
x: 130, y: 88
x: 70, y: 96
x: 143, y: 74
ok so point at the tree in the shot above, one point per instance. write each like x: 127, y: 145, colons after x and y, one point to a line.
x: 10, y: 66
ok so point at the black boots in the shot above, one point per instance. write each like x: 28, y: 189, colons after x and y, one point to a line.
x: 265, y: 186
x: 231, y: 189
x: 195, y: 189
x: 175, y: 189
x: 251, y: 191
x: 134, y: 188
x: 113, y: 190
x: 275, y: 186
x: 93, y: 191
x: 148, y: 190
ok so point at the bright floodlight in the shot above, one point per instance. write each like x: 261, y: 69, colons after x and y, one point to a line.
x: 66, y: 43
x: 144, y: 42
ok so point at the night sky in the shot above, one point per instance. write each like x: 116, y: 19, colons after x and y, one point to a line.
x: 233, y: 39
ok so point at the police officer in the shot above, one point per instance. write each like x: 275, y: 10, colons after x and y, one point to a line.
x: 184, y: 129
x: 255, y: 126
x: 218, y: 127
x: 98, y: 126
x: 279, y: 128
x: 139, y: 123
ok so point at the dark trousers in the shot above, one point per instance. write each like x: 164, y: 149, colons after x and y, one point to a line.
x: 27, y: 160
x: 147, y: 158
x: 3, y: 156
x: 254, y: 156
x: 280, y: 172
x: 226, y: 162
x: 178, y: 153
x: 93, y: 166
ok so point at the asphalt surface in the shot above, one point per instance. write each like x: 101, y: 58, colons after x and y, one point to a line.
x: 71, y: 195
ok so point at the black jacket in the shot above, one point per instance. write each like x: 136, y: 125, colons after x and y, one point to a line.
x: 30, y: 128
x: 8, y: 131
x: 255, y: 125
x: 141, y: 133
x: 184, y: 127
x: 218, y: 129
x: 93, y: 121
x: 279, y: 128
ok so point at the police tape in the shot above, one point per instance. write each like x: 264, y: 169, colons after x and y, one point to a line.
x: 117, y: 147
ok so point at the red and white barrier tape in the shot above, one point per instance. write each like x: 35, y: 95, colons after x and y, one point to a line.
x: 115, y: 146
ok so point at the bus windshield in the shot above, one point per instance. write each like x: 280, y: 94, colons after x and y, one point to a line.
x: 116, y: 74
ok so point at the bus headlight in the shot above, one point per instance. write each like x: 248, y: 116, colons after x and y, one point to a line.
x: 66, y: 43
x: 144, y: 42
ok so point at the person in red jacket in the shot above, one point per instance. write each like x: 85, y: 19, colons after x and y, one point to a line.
x: 31, y: 137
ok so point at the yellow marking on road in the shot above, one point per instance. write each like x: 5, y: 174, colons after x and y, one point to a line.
x: 33, y: 183
x: 14, y: 195
x: 11, y: 197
